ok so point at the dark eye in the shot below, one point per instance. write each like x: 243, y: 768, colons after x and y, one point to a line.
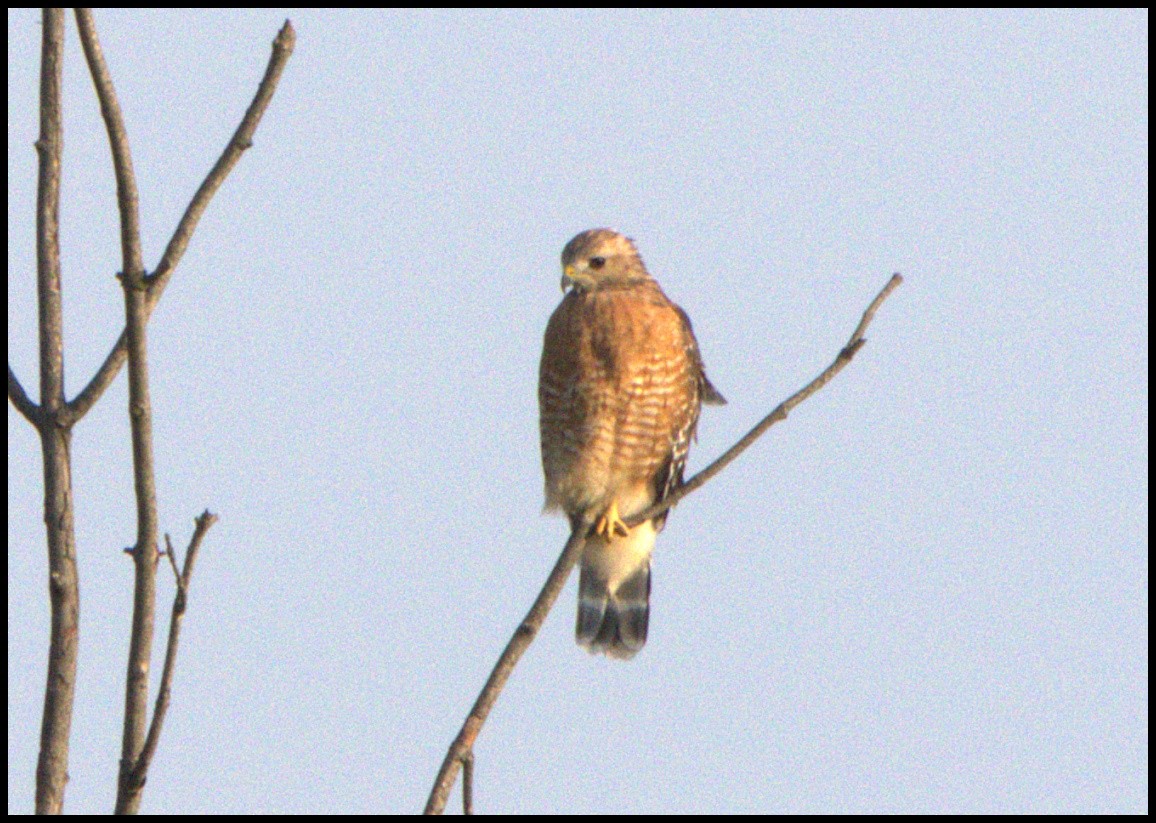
x: 597, y: 262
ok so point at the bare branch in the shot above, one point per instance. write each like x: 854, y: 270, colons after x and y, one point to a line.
x: 242, y: 139
x: 779, y: 413
x: 55, y: 435
x: 180, y: 601
x: 109, y: 369
x: 171, y: 554
x: 140, y: 421
x: 49, y: 147
x: 144, y: 550
x: 19, y: 398
x: 141, y: 294
x: 127, y: 198
x: 461, y: 750
x: 464, y: 743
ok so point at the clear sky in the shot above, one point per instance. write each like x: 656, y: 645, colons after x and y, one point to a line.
x: 927, y: 591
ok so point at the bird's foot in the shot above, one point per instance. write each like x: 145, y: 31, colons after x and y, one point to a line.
x: 610, y: 525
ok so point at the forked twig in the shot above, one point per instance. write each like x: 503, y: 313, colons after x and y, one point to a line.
x: 180, y: 602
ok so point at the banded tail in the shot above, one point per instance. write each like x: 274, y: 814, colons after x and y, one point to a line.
x: 614, y: 593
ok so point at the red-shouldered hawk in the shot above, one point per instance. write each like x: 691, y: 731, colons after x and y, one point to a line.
x: 620, y: 388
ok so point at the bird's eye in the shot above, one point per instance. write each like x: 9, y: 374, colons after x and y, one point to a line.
x: 597, y: 262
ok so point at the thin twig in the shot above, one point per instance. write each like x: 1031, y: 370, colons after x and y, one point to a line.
x: 171, y: 554
x: 241, y: 140
x: 283, y: 46
x: 180, y: 602
x: 462, y: 747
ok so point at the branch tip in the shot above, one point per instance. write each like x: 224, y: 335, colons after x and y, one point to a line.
x: 287, y: 37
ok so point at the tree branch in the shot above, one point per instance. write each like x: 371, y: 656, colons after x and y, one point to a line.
x: 180, y: 601
x: 156, y: 283
x: 283, y: 46
x: 140, y: 421
x: 50, y: 147
x: 55, y: 435
x: 468, y: 782
x: 127, y: 197
x: 19, y: 398
x: 779, y: 413
x: 145, y: 549
x: 141, y: 293
x: 461, y: 750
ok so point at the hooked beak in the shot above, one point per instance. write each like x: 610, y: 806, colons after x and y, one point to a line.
x: 567, y: 278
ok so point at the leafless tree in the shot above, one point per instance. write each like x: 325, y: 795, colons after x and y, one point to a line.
x: 54, y: 417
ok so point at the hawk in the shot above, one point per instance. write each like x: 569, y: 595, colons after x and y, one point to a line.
x: 620, y: 387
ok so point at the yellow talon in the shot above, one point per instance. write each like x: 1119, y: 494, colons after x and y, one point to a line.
x: 610, y: 525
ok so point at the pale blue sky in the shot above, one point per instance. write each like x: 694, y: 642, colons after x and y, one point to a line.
x: 927, y: 591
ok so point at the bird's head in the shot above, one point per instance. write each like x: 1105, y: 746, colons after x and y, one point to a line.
x: 601, y: 258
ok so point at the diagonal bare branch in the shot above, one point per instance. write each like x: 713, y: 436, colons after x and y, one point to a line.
x: 779, y: 413
x: 461, y: 750
x: 283, y: 46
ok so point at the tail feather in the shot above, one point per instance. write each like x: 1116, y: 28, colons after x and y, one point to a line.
x: 615, y: 623
x: 614, y: 594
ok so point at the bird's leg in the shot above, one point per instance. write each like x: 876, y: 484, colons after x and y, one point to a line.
x: 610, y: 525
